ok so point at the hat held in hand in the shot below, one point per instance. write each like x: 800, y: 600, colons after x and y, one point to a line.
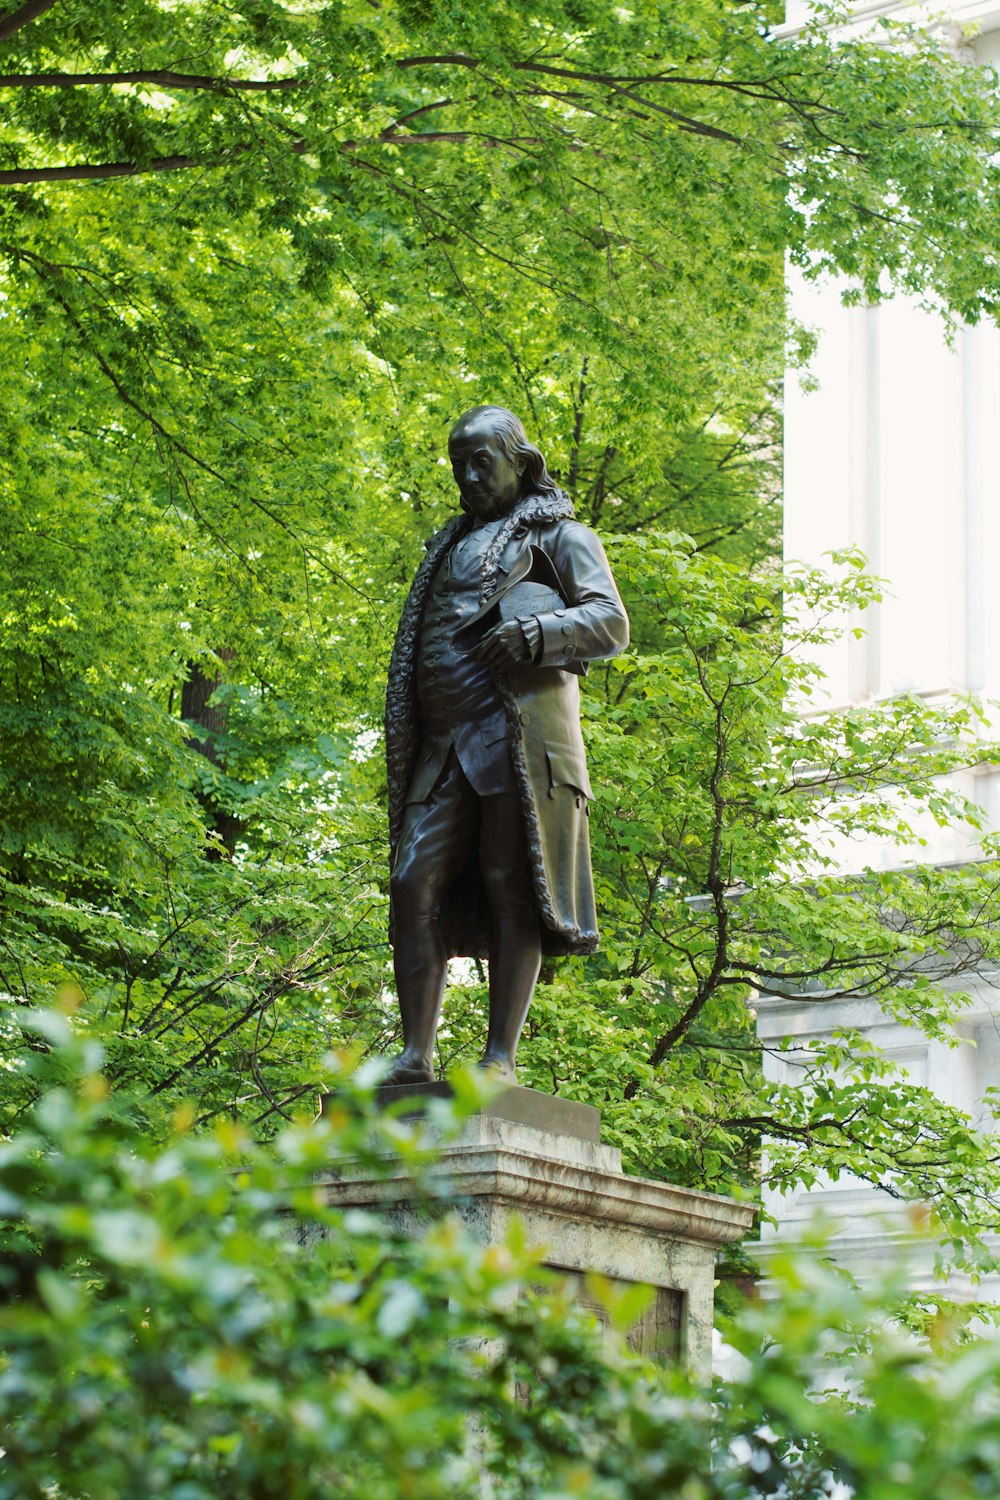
x: 531, y: 588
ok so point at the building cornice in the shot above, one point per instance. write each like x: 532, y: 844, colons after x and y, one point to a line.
x: 979, y: 16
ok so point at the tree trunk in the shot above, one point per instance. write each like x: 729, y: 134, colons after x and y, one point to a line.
x: 196, y: 709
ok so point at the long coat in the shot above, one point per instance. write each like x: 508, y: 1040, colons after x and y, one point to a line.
x: 542, y: 705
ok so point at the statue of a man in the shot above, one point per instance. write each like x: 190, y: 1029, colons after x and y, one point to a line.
x: 488, y: 786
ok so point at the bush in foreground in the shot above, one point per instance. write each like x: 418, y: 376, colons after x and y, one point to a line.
x: 190, y: 1319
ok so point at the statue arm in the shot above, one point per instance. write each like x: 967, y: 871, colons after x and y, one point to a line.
x: 593, y: 625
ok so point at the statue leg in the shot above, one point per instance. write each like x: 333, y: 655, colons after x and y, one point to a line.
x: 516, y: 944
x: 437, y: 841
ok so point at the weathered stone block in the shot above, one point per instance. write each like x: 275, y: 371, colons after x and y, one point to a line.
x: 576, y: 1204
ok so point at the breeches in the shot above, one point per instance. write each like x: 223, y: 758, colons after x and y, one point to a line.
x: 444, y: 834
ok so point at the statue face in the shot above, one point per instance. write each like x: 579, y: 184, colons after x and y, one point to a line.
x: 489, y: 481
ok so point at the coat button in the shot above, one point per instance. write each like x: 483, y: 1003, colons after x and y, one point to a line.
x: 524, y: 718
x: 567, y: 630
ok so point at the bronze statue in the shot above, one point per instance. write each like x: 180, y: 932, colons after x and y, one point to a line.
x: 488, y: 786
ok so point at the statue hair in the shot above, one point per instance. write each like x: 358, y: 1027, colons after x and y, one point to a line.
x: 514, y: 445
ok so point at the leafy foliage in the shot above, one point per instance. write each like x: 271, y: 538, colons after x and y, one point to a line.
x: 720, y: 831
x: 243, y: 299
x: 192, y: 1319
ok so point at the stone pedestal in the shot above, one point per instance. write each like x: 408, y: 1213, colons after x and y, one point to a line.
x: 540, y: 1158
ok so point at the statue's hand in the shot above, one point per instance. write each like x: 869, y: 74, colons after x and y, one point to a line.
x: 504, y: 646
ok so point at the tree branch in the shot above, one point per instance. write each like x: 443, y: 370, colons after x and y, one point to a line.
x: 97, y: 171
x: 431, y: 137
x: 574, y: 461
x: 605, y: 80
x: 458, y: 59
x: 93, y: 172
x: 15, y: 19
x: 716, y: 886
x: 164, y: 78
x: 49, y: 274
x: 100, y: 171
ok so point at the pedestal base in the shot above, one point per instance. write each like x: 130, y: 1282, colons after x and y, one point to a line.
x: 575, y: 1203
x: 545, y: 1112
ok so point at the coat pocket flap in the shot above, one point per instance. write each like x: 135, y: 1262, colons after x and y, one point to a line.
x: 494, y: 729
x: 567, y: 767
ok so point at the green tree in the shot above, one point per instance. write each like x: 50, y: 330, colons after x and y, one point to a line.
x: 718, y: 823
x: 254, y: 261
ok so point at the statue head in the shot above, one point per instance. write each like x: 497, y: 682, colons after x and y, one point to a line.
x: 493, y: 462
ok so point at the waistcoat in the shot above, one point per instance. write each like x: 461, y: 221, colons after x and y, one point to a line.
x: 460, y: 704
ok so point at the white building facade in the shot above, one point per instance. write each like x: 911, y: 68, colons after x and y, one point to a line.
x: 895, y: 448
